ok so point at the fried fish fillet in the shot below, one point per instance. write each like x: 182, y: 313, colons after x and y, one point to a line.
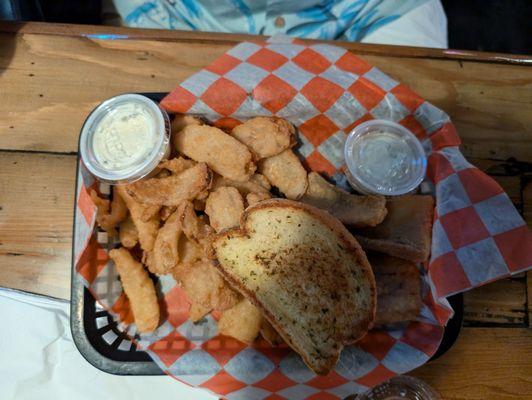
x: 266, y: 136
x: 138, y: 288
x: 189, y: 251
x: 109, y: 214
x: 166, y: 211
x: 164, y: 256
x: 147, y: 229
x: 224, y: 207
x: 222, y: 152
x: 242, y: 321
x: 353, y: 210
x: 200, y: 280
x: 128, y: 233
x: 254, y: 198
x: 179, y: 122
x: 198, y: 311
x: 195, y: 228
x: 149, y: 211
x: 182, y: 120
x: 406, y: 230
x: 261, y: 180
x: 102, y: 206
x: 176, y: 165
x: 205, y: 286
x: 256, y: 184
x: 286, y: 173
x: 174, y: 189
x: 199, y: 204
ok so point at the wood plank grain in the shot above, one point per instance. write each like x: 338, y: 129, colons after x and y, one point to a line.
x: 232, y: 38
x: 484, y: 363
x: 501, y: 302
x: 49, y: 86
x: 529, y: 297
x: 527, y: 200
x: 46, y: 79
x: 36, y: 211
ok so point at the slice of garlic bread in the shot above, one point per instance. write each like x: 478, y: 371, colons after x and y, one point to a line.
x: 305, y: 272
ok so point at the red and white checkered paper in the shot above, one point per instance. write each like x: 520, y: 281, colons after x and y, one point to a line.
x: 325, y: 91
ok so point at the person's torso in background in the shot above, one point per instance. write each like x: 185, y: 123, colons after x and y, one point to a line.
x: 350, y: 20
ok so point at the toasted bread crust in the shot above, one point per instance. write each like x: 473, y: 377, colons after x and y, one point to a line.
x: 350, y: 244
x: 405, y: 232
x: 403, y: 251
x: 351, y: 209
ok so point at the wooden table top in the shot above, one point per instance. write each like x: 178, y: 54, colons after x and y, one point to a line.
x: 52, y: 75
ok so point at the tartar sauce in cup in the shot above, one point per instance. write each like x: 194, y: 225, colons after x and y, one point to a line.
x: 124, y: 138
x: 384, y: 158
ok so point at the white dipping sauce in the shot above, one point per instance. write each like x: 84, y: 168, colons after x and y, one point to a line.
x: 383, y: 158
x: 125, y: 136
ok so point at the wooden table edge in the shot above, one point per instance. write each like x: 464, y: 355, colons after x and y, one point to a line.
x: 124, y: 33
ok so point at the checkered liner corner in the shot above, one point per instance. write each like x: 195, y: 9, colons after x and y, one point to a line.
x: 325, y: 91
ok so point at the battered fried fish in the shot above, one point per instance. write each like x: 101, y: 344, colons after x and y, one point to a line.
x: 172, y: 190
x: 254, y: 198
x: 222, y: 152
x: 242, y: 321
x: 224, y: 207
x: 164, y: 256
x: 195, y: 228
x: 128, y: 233
x: 109, y: 214
x: 138, y: 288
x: 286, y: 173
x: 256, y: 184
x: 177, y: 165
x: 147, y: 230
x: 203, y: 285
x: 266, y: 136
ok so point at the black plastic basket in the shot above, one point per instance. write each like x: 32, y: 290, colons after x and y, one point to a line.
x: 102, y: 343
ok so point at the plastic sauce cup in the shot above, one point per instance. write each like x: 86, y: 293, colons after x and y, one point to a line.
x: 384, y: 158
x: 124, y: 138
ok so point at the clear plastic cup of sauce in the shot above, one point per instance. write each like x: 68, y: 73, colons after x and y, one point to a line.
x: 384, y: 158
x: 125, y: 138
